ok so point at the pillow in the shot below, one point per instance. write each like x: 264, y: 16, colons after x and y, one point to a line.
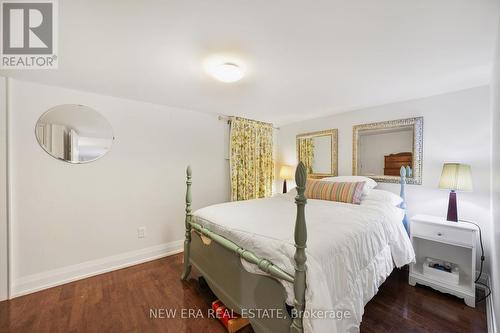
x: 369, y: 183
x: 383, y: 196
x: 349, y: 192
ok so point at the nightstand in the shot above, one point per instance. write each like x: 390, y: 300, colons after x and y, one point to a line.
x: 455, y: 242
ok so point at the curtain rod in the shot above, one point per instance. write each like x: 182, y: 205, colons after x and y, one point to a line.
x: 228, y: 119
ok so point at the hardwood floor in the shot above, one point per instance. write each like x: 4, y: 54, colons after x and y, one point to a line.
x: 398, y: 307
x: 120, y: 301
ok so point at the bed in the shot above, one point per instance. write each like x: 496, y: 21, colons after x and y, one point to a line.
x: 253, y: 256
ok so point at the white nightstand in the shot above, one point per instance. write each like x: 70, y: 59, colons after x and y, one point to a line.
x: 455, y: 242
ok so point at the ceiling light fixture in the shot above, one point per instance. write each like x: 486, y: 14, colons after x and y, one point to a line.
x: 226, y: 72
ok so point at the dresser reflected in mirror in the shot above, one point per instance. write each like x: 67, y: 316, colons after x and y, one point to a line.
x: 381, y: 149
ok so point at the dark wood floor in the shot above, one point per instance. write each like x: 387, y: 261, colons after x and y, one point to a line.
x: 120, y: 301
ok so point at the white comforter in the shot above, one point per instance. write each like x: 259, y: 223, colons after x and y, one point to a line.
x: 351, y: 249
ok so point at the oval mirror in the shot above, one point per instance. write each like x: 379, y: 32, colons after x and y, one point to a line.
x: 74, y: 133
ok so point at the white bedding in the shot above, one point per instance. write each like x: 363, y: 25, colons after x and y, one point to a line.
x: 351, y: 249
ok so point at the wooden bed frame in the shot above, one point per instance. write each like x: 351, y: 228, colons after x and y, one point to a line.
x: 219, y: 261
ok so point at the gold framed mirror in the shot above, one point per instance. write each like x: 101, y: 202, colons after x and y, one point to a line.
x: 379, y: 150
x: 318, y: 151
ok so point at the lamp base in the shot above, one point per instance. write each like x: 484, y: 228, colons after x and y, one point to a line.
x: 284, y: 186
x: 452, y: 207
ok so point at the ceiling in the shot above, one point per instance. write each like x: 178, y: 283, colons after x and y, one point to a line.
x: 303, y: 59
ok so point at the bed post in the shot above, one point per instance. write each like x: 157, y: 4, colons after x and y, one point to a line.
x: 187, y: 240
x: 299, y: 285
x: 402, y: 172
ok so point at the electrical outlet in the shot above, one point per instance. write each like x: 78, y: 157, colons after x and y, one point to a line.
x: 141, y: 232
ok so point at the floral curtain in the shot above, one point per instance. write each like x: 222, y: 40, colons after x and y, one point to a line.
x: 306, y: 153
x: 252, y: 164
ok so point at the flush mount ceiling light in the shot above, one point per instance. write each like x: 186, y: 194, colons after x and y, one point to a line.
x: 226, y: 72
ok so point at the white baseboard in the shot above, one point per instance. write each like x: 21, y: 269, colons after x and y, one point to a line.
x: 490, y: 313
x: 56, y: 277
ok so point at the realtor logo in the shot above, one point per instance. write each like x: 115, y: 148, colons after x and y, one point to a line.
x: 29, y: 34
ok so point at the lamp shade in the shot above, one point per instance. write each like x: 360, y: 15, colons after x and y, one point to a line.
x: 456, y: 177
x: 286, y: 172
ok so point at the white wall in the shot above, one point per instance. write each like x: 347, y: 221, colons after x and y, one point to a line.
x: 456, y: 128
x: 495, y: 235
x: 69, y: 221
x: 3, y: 192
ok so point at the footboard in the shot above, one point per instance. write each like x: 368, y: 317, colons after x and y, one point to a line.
x: 238, y: 289
x: 220, y: 264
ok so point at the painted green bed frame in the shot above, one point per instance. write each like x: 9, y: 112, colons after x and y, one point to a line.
x: 219, y: 261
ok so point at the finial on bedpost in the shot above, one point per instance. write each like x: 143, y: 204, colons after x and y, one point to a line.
x: 299, y: 284
x: 187, y: 240
x: 402, y: 181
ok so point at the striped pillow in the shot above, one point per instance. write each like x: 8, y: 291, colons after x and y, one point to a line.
x: 349, y: 192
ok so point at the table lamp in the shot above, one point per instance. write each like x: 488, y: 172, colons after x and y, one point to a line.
x: 286, y: 173
x: 455, y: 177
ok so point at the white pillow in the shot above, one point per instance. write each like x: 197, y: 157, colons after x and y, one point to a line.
x: 369, y: 183
x: 382, y: 196
x: 290, y: 195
